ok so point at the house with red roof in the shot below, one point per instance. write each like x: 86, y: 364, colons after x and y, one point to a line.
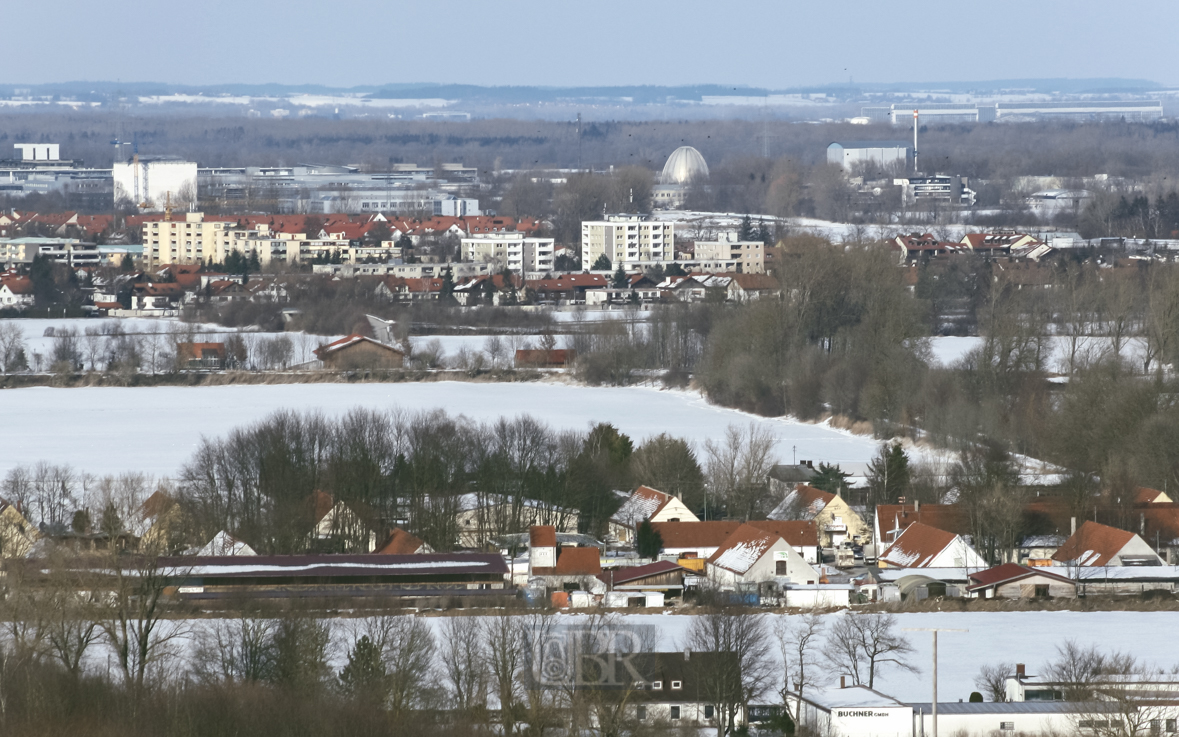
x: 645, y: 503
x: 16, y: 293
x: 1013, y: 581
x: 699, y: 540
x: 359, y: 352
x: 922, y: 546
x: 401, y: 542
x: 751, y: 555
x: 1098, y: 545
x: 562, y: 567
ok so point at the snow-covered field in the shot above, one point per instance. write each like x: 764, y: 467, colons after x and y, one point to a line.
x: 156, y: 429
x: 949, y: 350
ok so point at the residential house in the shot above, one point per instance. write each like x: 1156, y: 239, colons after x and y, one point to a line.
x: 224, y: 544
x: 922, y: 546
x: 691, y: 541
x: 1098, y: 545
x: 210, y: 356
x: 16, y: 292
x: 341, y: 527
x: 482, y: 519
x: 17, y: 534
x: 1012, y: 581
x: 359, y: 352
x: 401, y: 542
x: 922, y: 245
x: 566, y: 288
x: 673, y: 689
x: 559, y: 566
x: 835, y: 519
x: 157, y: 297
x: 646, y: 503
x: 752, y: 556
x: 156, y: 523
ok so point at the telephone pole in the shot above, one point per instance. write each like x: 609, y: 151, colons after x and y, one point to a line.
x: 934, y: 630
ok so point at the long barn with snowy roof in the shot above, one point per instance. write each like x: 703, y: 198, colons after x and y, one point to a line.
x: 206, y: 579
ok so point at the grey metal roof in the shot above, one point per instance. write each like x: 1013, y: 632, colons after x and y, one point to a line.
x: 869, y: 144
x: 1018, y: 707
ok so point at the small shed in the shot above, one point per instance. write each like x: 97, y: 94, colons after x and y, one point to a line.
x: 1013, y: 581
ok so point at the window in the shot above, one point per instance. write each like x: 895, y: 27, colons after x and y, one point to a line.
x: 677, y: 685
x: 640, y: 713
x: 708, y: 711
x: 1041, y: 591
x: 657, y: 685
x: 640, y: 685
x: 1007, y: 726
x: 675, y: 712
x: 1171, y: 726
x: 780, y: 568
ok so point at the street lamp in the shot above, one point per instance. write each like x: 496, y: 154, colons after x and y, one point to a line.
x: 933, y: 630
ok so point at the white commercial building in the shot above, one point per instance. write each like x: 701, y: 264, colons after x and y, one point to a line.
x: 883, y: 153
x: 511, y: 250
x: 151, y: 183
x: 626, y: 240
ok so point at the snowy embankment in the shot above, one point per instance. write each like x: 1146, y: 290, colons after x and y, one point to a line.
x: 156, y: 429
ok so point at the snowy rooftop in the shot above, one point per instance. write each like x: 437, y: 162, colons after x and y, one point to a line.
x: 742, y: 549
x: 641, y: 505
x: 850, y: 697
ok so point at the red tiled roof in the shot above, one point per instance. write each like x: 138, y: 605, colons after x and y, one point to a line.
x: 1147, y: 496
x: 1093, y: 544
x: 1007, y: 573
x: 643, y: 504
x: 18, y: 284
x: 917, y: 546
x: 741, y: 550
x: 634, y: 573
x: 400, y: 542
x: 578, y: 562
x: 542, y: 536
x: 713, y: 533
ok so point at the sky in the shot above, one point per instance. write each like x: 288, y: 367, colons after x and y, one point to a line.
x: 761, y: 43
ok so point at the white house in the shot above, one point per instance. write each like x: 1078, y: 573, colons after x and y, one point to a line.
x: 751, y: 555
x: 646, y: 503
x: 922, y: 546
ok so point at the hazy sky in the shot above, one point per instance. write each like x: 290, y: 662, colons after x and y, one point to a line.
x: 764, y: 43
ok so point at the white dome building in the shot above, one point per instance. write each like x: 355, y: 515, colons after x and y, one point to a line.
x: 684, y: 166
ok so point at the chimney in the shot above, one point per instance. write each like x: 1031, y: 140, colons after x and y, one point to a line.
x: 843, y: 681
x: 1072, y: 525
x: 1020, y: 671
x: 687, y: 654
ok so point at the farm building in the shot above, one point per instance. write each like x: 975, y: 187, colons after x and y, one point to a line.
x: 1011, y: 581
x: 359, y: 352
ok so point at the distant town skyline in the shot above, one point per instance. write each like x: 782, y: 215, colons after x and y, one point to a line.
x: 757, y: 43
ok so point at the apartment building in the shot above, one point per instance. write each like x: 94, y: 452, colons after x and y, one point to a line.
x: 186, y: 241
x: 748, y: 257
x: 512, y: 250
x: 625, y: 240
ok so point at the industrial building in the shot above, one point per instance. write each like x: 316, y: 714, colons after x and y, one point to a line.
x: 885, y: 154
x: 969, y: 112
x: 155, y: 182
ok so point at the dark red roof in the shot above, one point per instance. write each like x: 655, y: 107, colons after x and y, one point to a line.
x: 634, y: 573
x: 1007, y: 573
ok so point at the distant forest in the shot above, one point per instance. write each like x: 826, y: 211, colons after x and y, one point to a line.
x: 1144, y: 151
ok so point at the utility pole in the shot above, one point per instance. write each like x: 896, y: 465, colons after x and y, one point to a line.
x: 915, y: 169
x: 934, y: 630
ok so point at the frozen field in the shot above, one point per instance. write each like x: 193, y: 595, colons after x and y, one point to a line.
x: 156, y: 429
x: 948, y: 350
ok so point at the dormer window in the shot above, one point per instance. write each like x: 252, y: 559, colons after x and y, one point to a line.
x: 677, y: 685
x: 657, y: 685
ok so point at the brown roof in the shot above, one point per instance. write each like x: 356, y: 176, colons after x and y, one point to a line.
x: 635, y: 573
x: 1007, y: 573
x: 578, y: 562
x: 196, y: 350
x: 320, y: 503
x: 542, y: 536
x: 713, y: 533
x: 18, y: 284
x: 917, y: 546
x: 348, y: 341
x: 894, y: 518
x: 155, y: 505
x: 400, y: 542
x: 1093, y: 544
x: 1148, y: 496
x: 555, y: 357
x: 743, y: 548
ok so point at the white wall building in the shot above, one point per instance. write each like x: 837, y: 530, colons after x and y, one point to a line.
x: 151, y: 182
x: 626, y: 239
x: 748, y: 257
x: 513, y: 250
x: 883, y: 153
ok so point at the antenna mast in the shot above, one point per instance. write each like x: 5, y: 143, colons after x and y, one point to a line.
x: 915, y: 169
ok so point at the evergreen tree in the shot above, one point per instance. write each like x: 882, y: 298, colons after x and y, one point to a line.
x: 746, y: 231
x: 602, y: 264
x: 648, y: 541
x: 675, y: 269
x: 111, y: 524
x: 763, y: 233
x: 128, y: 263
x: 621, y: 280
x: 364, y: 678
x: 831, y: 479
x: 447, y: 293
x: 888, y: 475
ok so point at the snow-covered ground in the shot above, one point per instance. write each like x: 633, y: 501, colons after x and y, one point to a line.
x: 155, y: 429
x: 949, y: 350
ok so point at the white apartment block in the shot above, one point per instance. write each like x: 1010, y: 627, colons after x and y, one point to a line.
x: 626, y: 239
x: 520, y: 254
x: 749, y: 257
x: 185, y: 241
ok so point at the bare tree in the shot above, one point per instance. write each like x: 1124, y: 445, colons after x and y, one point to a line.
x: 70, y: 626
x: 991, y: 681
x: 463, y: 656
x: 503, y: 634
x: 133, y: 621
x: 859, y: 644
x: 738, y: 468
x: 238, y: 650
x: 408, y: 648
x: 798, y: 639
x: 741, y: 672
